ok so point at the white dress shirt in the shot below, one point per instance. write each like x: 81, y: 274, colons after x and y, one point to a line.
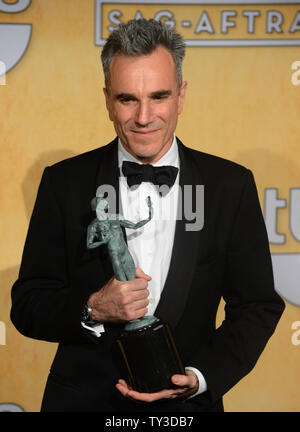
x: 151, y: 245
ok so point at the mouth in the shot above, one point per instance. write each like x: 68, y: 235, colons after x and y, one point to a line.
x: 148, y: 132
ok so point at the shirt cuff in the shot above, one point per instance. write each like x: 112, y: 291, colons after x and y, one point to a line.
x: 201, y: 381
x: 95, y: 328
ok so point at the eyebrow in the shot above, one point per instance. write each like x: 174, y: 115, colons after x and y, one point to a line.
x: 120, y: 96
x: 158, y: 93
x: 161, y: 93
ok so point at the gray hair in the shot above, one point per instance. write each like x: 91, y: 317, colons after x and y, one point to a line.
x: 142, y: 37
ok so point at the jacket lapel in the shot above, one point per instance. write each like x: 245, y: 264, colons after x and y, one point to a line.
x: 107, y: 177
x: 185, y: 247
x: 107, y: 181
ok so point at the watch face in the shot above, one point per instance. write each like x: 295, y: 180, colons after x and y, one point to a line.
x: 86, y: 314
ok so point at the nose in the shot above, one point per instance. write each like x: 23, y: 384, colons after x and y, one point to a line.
x: 143, y: 114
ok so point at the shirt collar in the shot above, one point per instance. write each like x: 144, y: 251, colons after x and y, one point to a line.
x: 170, y: 158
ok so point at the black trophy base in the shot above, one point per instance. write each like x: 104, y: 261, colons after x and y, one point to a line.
x: 150, y: 357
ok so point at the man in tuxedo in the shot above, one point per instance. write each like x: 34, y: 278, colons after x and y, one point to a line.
x: 68, y: 293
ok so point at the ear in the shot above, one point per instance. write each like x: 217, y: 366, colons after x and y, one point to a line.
x: 181, y: 96
x: 108, y: 103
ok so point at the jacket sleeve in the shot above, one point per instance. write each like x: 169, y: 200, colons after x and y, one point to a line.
x: 252, y: 307
x: 44, y: 305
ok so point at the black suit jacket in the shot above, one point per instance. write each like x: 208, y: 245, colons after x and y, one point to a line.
x: 229, y: 257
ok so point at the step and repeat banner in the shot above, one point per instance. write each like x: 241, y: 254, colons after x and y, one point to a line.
x: 242, y: 66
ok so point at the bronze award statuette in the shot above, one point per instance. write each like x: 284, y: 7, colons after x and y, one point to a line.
x: 146, y: 345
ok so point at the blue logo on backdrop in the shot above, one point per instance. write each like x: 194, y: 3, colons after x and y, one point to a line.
x: 14, y: 38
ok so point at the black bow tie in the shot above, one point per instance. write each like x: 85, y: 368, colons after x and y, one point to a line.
x: 136, y: 174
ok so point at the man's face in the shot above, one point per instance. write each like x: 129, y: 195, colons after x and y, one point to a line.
x: 143, y: 102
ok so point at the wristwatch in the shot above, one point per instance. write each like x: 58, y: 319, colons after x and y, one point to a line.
x: 86, y: 313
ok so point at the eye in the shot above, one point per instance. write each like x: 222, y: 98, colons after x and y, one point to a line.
x: 161, y: 95
x: 125, y: 99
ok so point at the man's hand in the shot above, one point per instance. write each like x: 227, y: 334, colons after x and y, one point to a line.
x: 187, y: 385
x: 121, y: 301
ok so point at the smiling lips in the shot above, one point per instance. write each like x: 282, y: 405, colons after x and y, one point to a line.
x: 144, y: 132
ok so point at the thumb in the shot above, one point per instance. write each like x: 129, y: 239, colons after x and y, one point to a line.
x: 140, y: 274
x: 181, y: 380
x: 189, y: 380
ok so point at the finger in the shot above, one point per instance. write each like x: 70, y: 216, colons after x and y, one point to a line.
x: 182, y: 380
x: 140, y: 274
x: 122, y: 387
x: 145, y: 397
x: 135, y: 313
x: 126, y: 391
x: 140, y: 304
x: 138, y: 294
x: 138, y: 284
x: 189, y: 380
x: 150, y: 397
